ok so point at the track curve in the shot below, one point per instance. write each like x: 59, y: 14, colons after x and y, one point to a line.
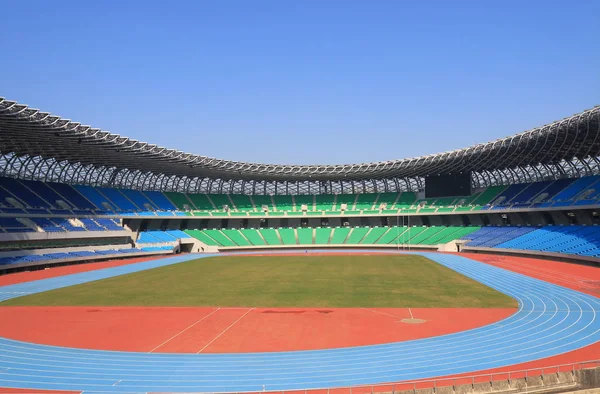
x: 550, y: 320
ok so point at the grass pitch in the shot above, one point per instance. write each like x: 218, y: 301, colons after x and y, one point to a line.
x: 284, y: 281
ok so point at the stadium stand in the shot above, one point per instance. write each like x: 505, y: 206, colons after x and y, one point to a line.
x: 575, y: 239
x: 332, y: 236
x: 557, y: 208
x: 26, y: 197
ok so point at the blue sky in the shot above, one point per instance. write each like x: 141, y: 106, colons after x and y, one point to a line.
x: 304, y: 82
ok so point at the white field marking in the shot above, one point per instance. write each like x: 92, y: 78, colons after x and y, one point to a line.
x: 14, y: 292
x: 382, y: 313
x: 225, y: 330
x: 411, y: 315
x: 184, y: 330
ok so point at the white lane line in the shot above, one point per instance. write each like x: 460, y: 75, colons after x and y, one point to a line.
x: 382, y: 313
x: 184, y: 330
x: 225, y: 330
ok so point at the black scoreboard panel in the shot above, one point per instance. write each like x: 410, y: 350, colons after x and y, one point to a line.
x: 448, y: 185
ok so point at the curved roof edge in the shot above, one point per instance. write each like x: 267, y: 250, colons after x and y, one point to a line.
x: 31, y: 132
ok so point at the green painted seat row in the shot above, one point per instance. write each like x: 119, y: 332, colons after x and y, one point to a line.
x: 401, y: 235
x: 316, y: 204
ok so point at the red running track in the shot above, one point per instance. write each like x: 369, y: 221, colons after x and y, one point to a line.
x: 224, y: 330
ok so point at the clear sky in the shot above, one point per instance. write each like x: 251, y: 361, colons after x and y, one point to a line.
x: 304, y: 82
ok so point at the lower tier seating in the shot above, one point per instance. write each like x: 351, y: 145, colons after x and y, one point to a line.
x: 5, y: 262
x: 331, y: 236
x: 576, y: 240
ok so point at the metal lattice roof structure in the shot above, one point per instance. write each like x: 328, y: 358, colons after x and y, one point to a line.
x: 38, y: 145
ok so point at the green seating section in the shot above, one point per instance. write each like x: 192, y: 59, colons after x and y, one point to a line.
x: 373, y: 235
x: 259, y: 201
x: 339, y: 235
x: 305, y: 236
x: 304, y: 199
x: 221, y: 238
x: 236, y: 237
x: 180, y: 200
x: 324, y: 202
x: 284, y: 203
x: 270, y: 235
x: 357, y: 234
x: 445, y: 201
x: 218, y: 199
x: 386, y: 198
x: 288, y: 236
x: 253, y: 236
x: 241, y: 202
x: 366, y: 201
x: 390, y: 237
x: 395, y: 235
x: 488, y: 195
x: 322, y: 235
x: 202, y: 237
x: 406, y: 200
x: 201, y: 202
x: 347, y: 199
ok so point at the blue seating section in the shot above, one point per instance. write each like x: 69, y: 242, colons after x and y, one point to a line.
x: 159, y: 236
x: 4, y: 261
x: 64, y: 223
x: 161, y: 201
x: 508, y: 194
x: 3, y: 196
x: 41, y: 198
x: 12, y: 225
x: 529, y: 192
x: 22, y: 193
x: 95, y: 197
x: 73, y: 196
x: 45, y: 192
x: 139, y: 199
x: 47, y: 225
x: 110, y: 224
x: 490, y: 237
x: 119, y: 200
x: 91, y: 225
x: 178, y: 234
x: 576, y: 188
x: 578, y: 240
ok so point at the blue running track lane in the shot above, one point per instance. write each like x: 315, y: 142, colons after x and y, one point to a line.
x: 550, y: 320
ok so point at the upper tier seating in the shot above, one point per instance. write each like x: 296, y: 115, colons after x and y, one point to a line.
x: 75, y: 198
x: 160, y: 201
x: 32, y: 197
x: 22, y: 193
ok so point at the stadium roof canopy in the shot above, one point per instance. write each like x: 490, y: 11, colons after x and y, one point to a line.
x: 38, y: 145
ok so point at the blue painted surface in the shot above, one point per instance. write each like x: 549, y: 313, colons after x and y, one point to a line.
x: 550, y: 320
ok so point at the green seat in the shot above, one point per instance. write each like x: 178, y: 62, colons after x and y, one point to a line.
x: 305, y: 236
x: 322, y: 235
x: 339, y: 235
x: 288, y: 236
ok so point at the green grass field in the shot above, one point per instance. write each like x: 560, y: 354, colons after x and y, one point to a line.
x: 290, y: 281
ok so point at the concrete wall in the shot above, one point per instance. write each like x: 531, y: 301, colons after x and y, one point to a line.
x: 501, y: 383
